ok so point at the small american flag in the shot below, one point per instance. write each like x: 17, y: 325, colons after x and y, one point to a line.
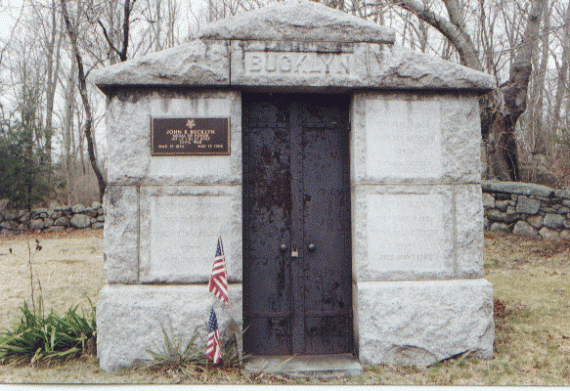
x: 213, y: 352
x: 218, y: 280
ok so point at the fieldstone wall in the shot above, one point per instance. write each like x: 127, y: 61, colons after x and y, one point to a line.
x: 526, y: 209
x: 53, y: 220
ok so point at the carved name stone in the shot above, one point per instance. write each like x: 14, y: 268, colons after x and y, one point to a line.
x: 300, y: 64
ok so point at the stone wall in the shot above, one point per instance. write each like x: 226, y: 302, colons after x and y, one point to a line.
x: 52, y: 220
x: 526, y: 209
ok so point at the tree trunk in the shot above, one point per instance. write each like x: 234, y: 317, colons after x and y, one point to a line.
x: 561, y: 86
x: 501, y: 108
x: 506, y: 104
x: 82, y: 84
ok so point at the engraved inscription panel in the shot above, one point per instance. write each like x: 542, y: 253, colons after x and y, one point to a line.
x: 299, y: 64
x: 190, y: 136
x: 182, y: 231
x: 403, y: 138
x: 406, y: 232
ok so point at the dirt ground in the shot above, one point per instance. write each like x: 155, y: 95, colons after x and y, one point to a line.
x: 530, y: 277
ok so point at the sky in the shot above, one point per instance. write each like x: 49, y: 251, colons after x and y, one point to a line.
x: 9, y: 10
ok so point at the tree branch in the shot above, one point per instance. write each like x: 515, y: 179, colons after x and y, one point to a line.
x: 113, y: 47
x: 456, y: 35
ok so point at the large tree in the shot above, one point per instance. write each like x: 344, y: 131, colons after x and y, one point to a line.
x: 501, y: 108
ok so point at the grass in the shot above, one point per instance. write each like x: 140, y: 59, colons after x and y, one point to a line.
x: 531, y: 280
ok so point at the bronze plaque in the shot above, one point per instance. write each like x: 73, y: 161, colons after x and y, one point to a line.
x: 190, y: 136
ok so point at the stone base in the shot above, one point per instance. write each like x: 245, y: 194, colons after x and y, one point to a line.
x: 423, y: 322
x: 320, y: 366
x: 130, y: 319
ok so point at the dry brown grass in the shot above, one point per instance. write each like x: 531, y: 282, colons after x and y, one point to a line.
x: 531, y: 279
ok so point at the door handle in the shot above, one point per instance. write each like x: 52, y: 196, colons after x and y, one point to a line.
x: 312, y: 247
x: 283, y: 247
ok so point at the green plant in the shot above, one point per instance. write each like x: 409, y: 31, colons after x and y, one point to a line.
x: 41, y: 339
x: 191, y: 361
x: 171, y: 359
x: 38, y: 338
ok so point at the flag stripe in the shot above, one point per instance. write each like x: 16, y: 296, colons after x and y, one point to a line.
x: 218, y: 281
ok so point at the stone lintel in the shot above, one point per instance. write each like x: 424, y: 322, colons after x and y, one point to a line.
x: 300, y: 64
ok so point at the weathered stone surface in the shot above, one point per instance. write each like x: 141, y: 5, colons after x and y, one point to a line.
x: 442, y: 139
x: 90, y: 212
x: 554, y: 221
x: 101, y: 218
x: 48, y: 222
x: 196, y: 63
x: 548, y: 233
x: 502, y: 205
x: 36, y: 224
x: 527, y: 205
x: 98, y: 225
x: 78, y: 208
x: 536, y: 221
x: 9, y: 224
x: 399, y: 67
x: 469, y: 231
x: 178, y: 239
x: 63, y: 221
x: 565, y: 234
x: 80, y: 221
x: 346, y: 65
x: 488, y: 200
x: 55, y: 229
x: 298, y: 20
x: 500, y: 227
x: 388, y: 241
x: 497, y: 215
x: 420, y: 323
x: 562, y: 194
x: 96, y: 205
x: 308, y: 45
x: 563, y: 210
x: 486, y: 223
x: 130, y: 317
x: 517, y: 188
x: 24, y: 217
x: 128, y: 140
x: 523, y: 228
x: 121, y: 234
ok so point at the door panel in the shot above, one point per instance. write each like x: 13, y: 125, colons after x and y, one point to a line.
x: 296, y: 197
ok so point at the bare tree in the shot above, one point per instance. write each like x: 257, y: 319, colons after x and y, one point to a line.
x: 503, y: 106
x: 82, y: 85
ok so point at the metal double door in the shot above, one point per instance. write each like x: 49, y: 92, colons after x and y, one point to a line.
x: 297, y: 269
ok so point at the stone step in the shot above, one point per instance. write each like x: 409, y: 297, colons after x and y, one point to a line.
x: 321, y: 366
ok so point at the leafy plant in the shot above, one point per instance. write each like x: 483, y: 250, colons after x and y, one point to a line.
x: 171, y: 359
x: 191, y: 361
x: 41, y: 339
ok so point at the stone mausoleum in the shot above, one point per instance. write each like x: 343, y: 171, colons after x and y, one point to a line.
x: 341, y: 170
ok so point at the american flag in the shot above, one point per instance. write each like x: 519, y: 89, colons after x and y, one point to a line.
x: 213, y: 352
x: 218, y: 280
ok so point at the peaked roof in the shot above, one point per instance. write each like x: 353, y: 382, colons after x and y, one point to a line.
x: 213, y: 61
x: 298, y: 20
